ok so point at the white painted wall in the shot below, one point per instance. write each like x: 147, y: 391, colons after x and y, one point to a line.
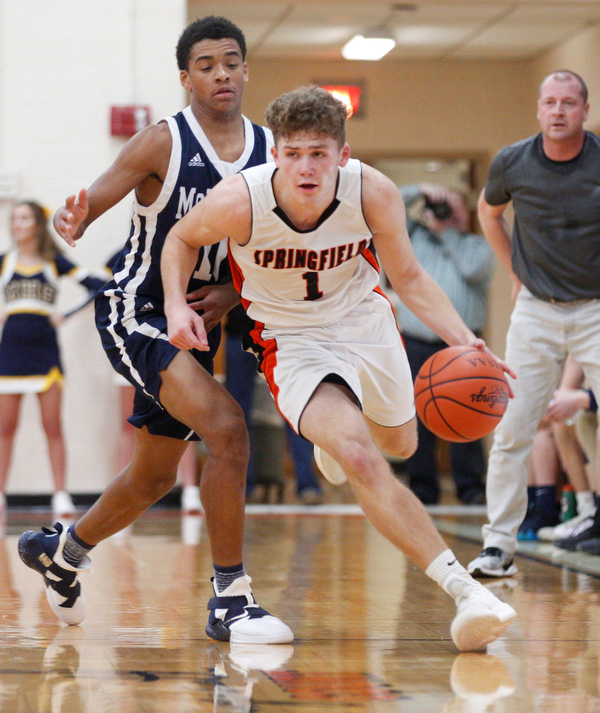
x: 62, y: 65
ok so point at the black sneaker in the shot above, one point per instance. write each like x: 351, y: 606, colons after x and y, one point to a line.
x: 235, y: 616
x: 591, y: 546
x: 579, y: 534
x: 42, y: 551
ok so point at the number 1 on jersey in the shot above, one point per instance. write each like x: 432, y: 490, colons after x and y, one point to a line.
x: 312, y: 286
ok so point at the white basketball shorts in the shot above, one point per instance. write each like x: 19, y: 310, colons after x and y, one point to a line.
x: 364, y: 348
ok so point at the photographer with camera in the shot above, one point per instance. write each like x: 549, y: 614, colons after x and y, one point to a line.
x: 462, y: 264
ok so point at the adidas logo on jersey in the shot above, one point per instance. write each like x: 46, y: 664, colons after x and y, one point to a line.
x: 196, y: 161
x: 147, y: 307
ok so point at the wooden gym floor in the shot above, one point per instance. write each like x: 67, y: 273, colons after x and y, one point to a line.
x: 372, y: 632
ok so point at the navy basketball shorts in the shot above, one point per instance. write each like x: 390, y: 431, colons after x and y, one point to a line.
x: 138, y: 348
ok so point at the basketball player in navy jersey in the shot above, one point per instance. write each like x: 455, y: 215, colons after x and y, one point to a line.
x: 299, y: 233
x: 171, y: 166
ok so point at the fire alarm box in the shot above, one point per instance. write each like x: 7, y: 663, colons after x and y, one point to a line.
x: 128, y: 120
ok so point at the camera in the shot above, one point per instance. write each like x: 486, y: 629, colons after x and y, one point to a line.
x: 440, y: 209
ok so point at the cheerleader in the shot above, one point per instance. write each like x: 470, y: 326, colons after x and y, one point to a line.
x: 29, y: 352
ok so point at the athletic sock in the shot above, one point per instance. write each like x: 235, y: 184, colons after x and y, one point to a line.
x: 545, y: 499
x: 531, y: 498
x: 449, y: 573
x: 586, y: 502
x: 224, y: 576
x: 75, y: 548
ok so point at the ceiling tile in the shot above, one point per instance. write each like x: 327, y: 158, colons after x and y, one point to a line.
x: 467, y: 29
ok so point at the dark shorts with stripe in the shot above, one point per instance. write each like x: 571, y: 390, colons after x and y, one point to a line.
x: 139, y: 350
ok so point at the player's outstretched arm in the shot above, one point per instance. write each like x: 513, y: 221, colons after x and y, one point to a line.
x: 224, y: 213
x: 385, y: 214
x: 143, y: 160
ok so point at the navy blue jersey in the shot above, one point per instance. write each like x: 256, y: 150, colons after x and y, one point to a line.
x: 34, y: 288
x: 194, y: 168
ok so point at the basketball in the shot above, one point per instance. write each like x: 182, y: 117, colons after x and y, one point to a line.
x: 461, y: 394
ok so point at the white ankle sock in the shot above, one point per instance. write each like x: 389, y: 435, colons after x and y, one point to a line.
x: 447, y: 571
x: 585, y: 502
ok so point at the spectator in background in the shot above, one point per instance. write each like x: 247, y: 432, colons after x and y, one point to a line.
x: 29, y: 351
x: 240, y: 372
x: 461, y: 263
x: 557, y: 452
x: 573, y: 409
x: 553, y: 258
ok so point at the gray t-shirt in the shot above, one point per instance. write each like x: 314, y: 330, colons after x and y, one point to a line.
x: 556, y: 237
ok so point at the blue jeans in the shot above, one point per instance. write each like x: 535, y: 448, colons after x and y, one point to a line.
x: 239, y: 381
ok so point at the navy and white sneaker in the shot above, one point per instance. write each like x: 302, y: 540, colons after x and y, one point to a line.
x: 235, y: 616
x: 492, y: 562
x: 43, y: 551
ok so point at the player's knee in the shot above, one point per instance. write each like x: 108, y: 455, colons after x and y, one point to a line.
x: 403, y: 447
x: 407, y: 446
x: 358, y: 459
x: 226, y: 437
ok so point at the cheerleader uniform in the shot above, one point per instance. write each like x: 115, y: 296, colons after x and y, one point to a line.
x: 29, y: 352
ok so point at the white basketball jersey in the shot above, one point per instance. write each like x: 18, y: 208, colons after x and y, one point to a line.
x: 299, y: 278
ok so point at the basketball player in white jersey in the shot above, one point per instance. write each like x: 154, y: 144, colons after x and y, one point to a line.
x: 171, y: 166
x: 299, y: 234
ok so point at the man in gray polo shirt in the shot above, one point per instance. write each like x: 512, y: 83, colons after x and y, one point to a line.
x: 553, y: 181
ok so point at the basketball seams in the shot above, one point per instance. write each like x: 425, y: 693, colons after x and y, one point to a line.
x: 441, y: 415
x: 457, y: 379
x: 451, y: 361
x: 439, y: 411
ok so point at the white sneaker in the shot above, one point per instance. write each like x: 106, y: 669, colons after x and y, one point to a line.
x: 236, y: 617
x: 480, y: 619
x: 190, y: 500
x: 565, y: 529
x: 62, y: 505
x: 492, y: 562
x: 330, y: 468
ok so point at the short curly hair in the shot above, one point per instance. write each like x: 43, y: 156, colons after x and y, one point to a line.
x: 310, y: 110
x: 207, y: 28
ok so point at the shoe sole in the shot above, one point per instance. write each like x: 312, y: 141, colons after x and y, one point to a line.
x: 222, y: 633
x: 478, y: 632
x: 481, y: 572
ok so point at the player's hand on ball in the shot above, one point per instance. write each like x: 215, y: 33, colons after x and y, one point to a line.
x: 506, y: 368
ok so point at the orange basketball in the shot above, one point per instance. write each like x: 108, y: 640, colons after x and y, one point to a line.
x: 461, y: 394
